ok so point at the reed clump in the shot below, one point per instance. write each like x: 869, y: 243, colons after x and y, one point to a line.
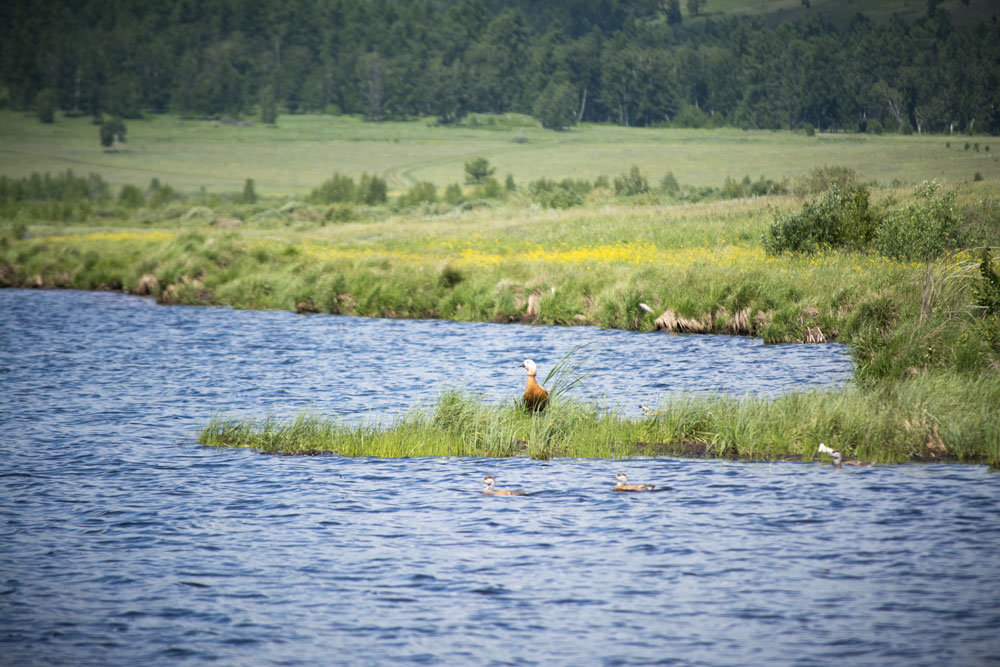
x: 925, y: 419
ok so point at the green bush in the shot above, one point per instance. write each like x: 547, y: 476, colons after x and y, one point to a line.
x: 338, y: 188
x: 65, y: 187
x: 669, y: 184
x: 423, y: 192
x: 840, y: 218
x: 131, y: 196
x: 563, y: 194
x: 823, y: 178
x: 372, y: 190
x: 453, y: 194
x: 340, y: 212
x: 988, y: 290
x: 489, y: 189
x: 631, y: 183
x: 921, y: 230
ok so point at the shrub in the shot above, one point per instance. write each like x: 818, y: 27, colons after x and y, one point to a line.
x: 631, y: 183
x: 420, y: 193
x: 988, y: 290
x: 978, y: 176
x: 450, y: 276
x: 823, y: 178
x: 372, y: 190
x: 840, y: 218
x: 159, y: 194
x: 564, y: 194
x: 980, y: 224
x: 131, y: 196
x: 746, y: 188
x: 341, y: 212
x: 453, y: 194
x: 489, y: 189
x: 921, y: 230
x: 338, y: 188
x: 669, y: 184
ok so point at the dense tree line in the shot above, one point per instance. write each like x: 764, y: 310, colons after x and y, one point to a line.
x: 626, y: 61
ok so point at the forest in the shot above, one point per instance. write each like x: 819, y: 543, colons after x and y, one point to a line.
x: 629, y: 62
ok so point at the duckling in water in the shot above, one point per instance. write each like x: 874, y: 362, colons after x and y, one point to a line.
x: 838, y: 458
x: 623, y: 484
x: 535, y: 396
x: 490, y: 491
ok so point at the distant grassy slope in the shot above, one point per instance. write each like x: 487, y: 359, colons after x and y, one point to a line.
x: 302, y: 151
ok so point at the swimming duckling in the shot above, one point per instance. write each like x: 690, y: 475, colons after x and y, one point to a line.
x: 838, y: 457
x: 623, y: 484
x: 535, y: 396
x: 490, y: 491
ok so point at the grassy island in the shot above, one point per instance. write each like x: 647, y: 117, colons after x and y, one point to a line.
x: 903, y: 272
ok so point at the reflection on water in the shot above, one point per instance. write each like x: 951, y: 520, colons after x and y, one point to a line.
x: 122, y: 541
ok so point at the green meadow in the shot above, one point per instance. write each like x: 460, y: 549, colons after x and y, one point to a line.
x: 303, y: 150
x: 926, y: 348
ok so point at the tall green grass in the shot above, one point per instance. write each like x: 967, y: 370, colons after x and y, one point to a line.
x: 934, y: 418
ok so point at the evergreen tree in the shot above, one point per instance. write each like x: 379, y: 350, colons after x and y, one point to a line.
x: 478, y: 171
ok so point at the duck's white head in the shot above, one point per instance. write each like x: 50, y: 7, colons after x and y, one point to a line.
x: 530, y: 366
x: 621, y: 477
x: 489, y: 481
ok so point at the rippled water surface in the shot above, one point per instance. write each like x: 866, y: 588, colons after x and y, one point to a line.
x: 122, y: 541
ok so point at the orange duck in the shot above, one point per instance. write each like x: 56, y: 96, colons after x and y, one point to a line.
x: 535, y: 396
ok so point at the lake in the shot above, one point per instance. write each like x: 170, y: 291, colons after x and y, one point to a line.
x: 123, y: 541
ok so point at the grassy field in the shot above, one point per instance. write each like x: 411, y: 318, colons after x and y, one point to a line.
x: 291, y: 159
x: 928, y: 362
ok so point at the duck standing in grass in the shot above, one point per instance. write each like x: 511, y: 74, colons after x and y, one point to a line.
x: 490, y: 491
x: 535, y: 396
x: 838, y: 457
x: 623, y: 484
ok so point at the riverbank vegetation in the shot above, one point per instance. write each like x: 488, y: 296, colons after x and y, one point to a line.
x: 906, y: 276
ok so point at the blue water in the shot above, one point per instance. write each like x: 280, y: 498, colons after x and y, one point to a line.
x: 122, y: 541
